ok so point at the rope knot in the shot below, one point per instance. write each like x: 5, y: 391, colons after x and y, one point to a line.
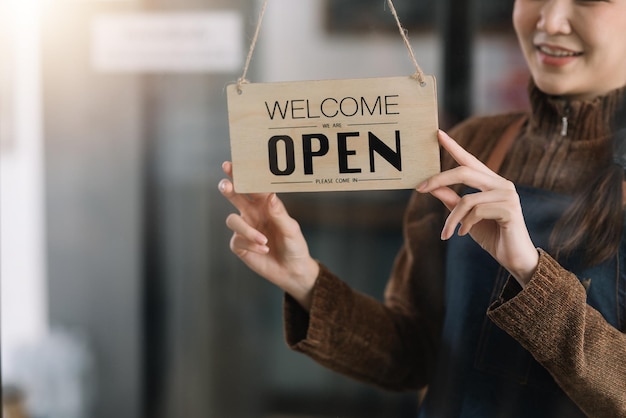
x: 240, y: 82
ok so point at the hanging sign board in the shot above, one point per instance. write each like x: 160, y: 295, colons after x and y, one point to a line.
x: 331, y: 135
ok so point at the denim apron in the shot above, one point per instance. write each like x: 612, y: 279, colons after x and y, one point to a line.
x: 483, y: 372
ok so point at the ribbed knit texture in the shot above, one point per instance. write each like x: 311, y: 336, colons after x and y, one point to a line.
x: 545, y: 159
x: 550, y: 318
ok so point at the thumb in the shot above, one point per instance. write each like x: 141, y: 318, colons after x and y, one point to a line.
x: 275, y: 205
x: 278, y: 213
x: 447, y: 196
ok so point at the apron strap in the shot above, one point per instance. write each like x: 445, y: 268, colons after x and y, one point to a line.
x: 494, y: 162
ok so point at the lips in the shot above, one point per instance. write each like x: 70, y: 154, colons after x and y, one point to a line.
x: 556, y: 56
x: 557, y: 52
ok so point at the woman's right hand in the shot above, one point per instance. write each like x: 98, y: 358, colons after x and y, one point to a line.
x: 269, y: 241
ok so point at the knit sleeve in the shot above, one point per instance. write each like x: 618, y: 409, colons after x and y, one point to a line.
x: 355, y: 335
x: 551, y: 319
x: 393, y: 344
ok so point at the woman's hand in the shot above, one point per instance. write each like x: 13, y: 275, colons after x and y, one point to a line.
x: 493, y: 217
x: 269, y: 241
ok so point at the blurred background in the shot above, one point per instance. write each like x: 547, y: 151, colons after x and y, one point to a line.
x: 120, y: 297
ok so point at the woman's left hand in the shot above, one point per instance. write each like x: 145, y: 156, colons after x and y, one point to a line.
x: 493, y: 216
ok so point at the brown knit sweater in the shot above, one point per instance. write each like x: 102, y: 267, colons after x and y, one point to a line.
x: 394, y: 345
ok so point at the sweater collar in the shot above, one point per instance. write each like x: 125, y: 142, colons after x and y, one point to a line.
x: 577, y: 120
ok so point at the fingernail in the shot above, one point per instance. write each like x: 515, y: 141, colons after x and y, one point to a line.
x: 422, y: 186
x: 222, y: 186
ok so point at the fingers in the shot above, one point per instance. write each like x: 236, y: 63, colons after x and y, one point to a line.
x: 470, y: 172
x: 245, y: 238
x: 240, y: 227
x: 498, y: 205
x: 259, y: 214
x: 241, y: 202
x: 249, y: 202
x: 463, y: 175
x: 447, y: 196
x: 242, y: 247
x: 227, y: 167
x: 459, y: 154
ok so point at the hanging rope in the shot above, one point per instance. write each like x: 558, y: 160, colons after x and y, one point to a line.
x: 242, y: 79
x: 419, y: 74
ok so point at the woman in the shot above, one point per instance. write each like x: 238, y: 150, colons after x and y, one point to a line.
x: 522, y: 313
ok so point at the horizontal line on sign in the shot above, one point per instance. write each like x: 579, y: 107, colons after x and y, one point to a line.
x: 392, y: 179
x: 294, y: 127
x: 291, y: 182
x: 369, y: 124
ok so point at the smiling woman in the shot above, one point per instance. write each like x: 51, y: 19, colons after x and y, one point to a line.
x: 568, y: 45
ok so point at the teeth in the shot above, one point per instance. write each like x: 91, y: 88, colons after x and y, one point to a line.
x: 557, y: 52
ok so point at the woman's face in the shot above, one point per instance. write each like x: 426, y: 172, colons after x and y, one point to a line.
x: 574, y: 48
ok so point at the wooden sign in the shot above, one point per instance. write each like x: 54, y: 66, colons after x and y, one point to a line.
x: 363, y: 134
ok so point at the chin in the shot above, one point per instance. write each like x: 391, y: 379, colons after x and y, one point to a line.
x: 552, y: 88
x: 575, y: 89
